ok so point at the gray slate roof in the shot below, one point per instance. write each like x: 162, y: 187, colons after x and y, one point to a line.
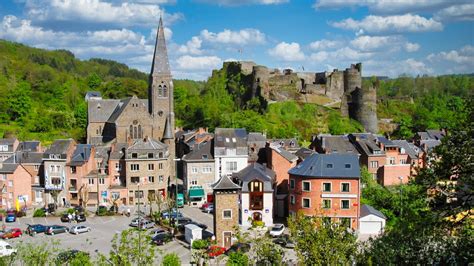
x: 9, y: 142
x: 59, y: 146
x: 118, y: 153
x: 200, y: 151
x: 29, y: 145
x: 285, y: 154
x: 30, y: 157
x: 224, y: 134
x: 81, y: 154
x: 160, y: 63
x: 365, y: 143
x: 101, y: 110
x: 224, y: 183
x: 8, y: 168
x: 368, y: 210
x: 409, y: 148
x: 256, y: 171
x: 147, y: 144
x: 339, y: 144
x: 256, y: 137
x: 302, y: 153
x: 319, y: 165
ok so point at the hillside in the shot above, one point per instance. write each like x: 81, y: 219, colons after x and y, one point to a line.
x: 42, y: 97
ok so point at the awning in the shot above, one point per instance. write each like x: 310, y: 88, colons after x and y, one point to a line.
x: 196, y: 193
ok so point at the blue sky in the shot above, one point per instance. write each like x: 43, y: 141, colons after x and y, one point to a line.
x: 389, y: 37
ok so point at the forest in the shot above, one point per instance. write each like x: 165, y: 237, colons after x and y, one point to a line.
x: 42, y: 97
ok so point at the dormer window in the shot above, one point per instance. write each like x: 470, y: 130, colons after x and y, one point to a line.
x: 227, y: 140
x: 329, y: 165
x: 204, y: 156
x: 347, y: 165
x: 134, y: 155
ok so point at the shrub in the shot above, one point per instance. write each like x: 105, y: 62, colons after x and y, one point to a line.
x: 258, y: 223
x: 238, y: 259
x: 200, y: 244
x: 171, y: 259
x: 39, y: 213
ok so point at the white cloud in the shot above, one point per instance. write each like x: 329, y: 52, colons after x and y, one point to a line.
x: 324, y: 44
x: 287, y: 52
x: 187, y: 62
x: 390, y: 24
x: 385, y: 44
x: 98, y: 12
x: 411, y: 47
x: 241, y: 37
x: 321, y: 56
x: 460, y: 12
x: 463, y: 56
x: 244, y: 2
x: 193, y: 46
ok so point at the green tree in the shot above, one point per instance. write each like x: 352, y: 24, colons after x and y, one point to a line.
x: 171, y: 259
x: 238, y: 259
x: 266, y: 252
x: 19, y: 101
x: 131, y: 247
x: 93, y: 81
x: 318, y: 242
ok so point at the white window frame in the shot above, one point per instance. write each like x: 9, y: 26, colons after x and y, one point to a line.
x: 207, y: 169
x: 292, y: 199
x: 10, y: 183
x: 226, y: 218
x: 151, y: 167
x: 349, y: 187
x: 101, y: 181
x: 324, y: 207
x: 391, y: 160
x: 302, y: 186
x: 231, y: 166
x: 374, y: 164
x: 194, y: 182
x: 322, y: 186
x: 151, y: 179
x: 302, y: 203
x: 292, y: 181
x: 348, y: 207
x: 134, y: 169
x: 91, y: 181
x: 194, y: 170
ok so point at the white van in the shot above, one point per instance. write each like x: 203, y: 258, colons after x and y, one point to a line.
x: 6, y: 249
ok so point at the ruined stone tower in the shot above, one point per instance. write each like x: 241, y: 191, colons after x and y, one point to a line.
x: 364, y: 108
x: 352, y: 81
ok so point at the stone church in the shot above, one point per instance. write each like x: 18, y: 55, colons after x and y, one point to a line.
x: 126, y: 122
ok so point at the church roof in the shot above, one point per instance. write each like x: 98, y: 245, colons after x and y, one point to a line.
x: 168, y: 130
x: 148, y: 144
x: 101, y: 110
x: 160, y: 63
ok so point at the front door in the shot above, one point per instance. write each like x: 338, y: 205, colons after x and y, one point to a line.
x: 227, y: 239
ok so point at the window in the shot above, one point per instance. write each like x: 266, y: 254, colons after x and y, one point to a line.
x: 139, y: 194
x: 292, y: 184
x: 58, y: 168
x: 151, y: 179
x: 160, y: 155
x: 374, y: 164
x: 91, y: 181
x: 327, y: 187
x: 231, y: 166
x: 194, y: 182
x: 403, y: 161
x: 115, y: 195
x: 117, y: 166
x: 347, y: 165
x: 135, y: 167
x: 227, y: 214
x: 344, y: 204
x: 151, y: 167
x: 207, y: 169
x: 10, y: 183
x: 10, y: 195
x: 56, y: 181
x: 306, y: 186
x: 3, y: 147
x: 329, y: 165
x: 160, y: 178
x: 160, y: 166
x: 36, y: 166
x: 51, y: 168
x: 194, y: 170
x: 4, y: 176
x: 327, y: 204
x: 391, y: 160
x: 73, y: 169
x: 345, y: 187
x: 101, y: 181
x: 204, y: 157
x: 134, y: 155
x: 306, y: 203
x: 135, y: 179
x: 292, y: 200
x: 150, y: 155
x: 37, y: 179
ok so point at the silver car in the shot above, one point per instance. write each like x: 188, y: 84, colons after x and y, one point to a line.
x: 146, y: 224
x: 77, y: 229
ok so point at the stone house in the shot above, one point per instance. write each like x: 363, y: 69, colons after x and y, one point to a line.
x: 147, y: 170
x: 256, y: 197
x: 8, y: 148
x: 280, y: 161
x: 55, y: 159
x: 327, y: 185
x: 199, y: 174
x: 230, y: 151
x: 226, y: 210
x: 15, y: 184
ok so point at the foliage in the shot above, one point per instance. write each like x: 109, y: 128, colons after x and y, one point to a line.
x: 37, y: 254
x: 237, y: 259
x: 266, y: 252
x: 171, y: 259
x: 39, y: 213
x: 258, y: 223
x: 319, y: 242
x: 200, y: 244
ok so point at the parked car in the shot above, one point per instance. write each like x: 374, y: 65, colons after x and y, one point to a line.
x: 77, y: 229
x: 238, y: 247
x: 81, y: 217
x: 171, y: 215
x: 11, y: 217
x: 34, y: 229
x: 157, y: 231
x: 56, y: 229
x: 162, y: 238
x: 182, y: 221
x: 136, y: 221
x: 209, y: 208
x: 284, y: 241
x: 65, y: 218
x: 68, y: 255
x: 204, y: 205
x: 6, y: 249
x: 215, y: 251
x: 146, y: 224
x: 12, y: 233
x: 277, y: 230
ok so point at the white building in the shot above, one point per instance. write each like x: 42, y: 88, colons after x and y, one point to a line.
x: 256, y: 196
x: 372, y: 221
x: 230, y: 151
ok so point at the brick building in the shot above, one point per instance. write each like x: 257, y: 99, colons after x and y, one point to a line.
x: 327, y: 185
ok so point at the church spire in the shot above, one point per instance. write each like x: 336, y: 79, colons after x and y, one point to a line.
x: 160, y: 65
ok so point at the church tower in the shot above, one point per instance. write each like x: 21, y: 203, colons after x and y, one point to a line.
x: 160, y: 95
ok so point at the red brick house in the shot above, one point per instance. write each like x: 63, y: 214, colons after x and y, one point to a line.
x: 327, y: 185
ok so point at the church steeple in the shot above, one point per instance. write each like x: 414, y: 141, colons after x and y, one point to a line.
x: 160, y: 65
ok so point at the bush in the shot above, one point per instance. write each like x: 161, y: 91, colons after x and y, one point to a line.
x: 238, y: 259
x: 200, y: 244
x: 258, y: 223
x: 39, y: 213
x: 171, y: 259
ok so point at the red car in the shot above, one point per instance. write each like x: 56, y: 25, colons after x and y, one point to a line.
x: 12, y: 233
x: 214, y: 251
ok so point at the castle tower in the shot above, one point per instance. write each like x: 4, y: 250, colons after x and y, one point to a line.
x: 364, y: 108
x: 160, y: 95
x: 226, y: 210
x: 352, y: 81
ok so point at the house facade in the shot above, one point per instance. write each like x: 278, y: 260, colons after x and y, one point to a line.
x: 15, y: 185
x: 7, y: 148
x: 328, y: 186
x: 230, y: 151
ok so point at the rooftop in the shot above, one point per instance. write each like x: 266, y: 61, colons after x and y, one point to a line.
x: 333, y: 165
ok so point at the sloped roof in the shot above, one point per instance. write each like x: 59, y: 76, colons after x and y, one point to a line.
x: 368, y: 210
x: 147, y: 144
x: 302, y: 153
x: 8, y: 168
x: 339, y: 144
x: 435, y: 134
x: 256, y: 137
x: 118, y: 110
x: 101, y: 110
x: 409, y: 148
x: 160, y: 63
x: 81, y: 154
x: 28, y: 145
x: 256, y: 171
x: 168, y: 134
x: 285, y: 154
x: 224, y: 183
x: 28, y: 157
x: 328, y: 166
x: 366, y: 143
x: 59, y: 146
x: 200, y: 152
x: 224, y: 137
x: 118, y: 152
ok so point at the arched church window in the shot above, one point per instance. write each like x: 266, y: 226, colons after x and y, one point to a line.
x: 165, y: 91
x: 131, y: 131
x: 135, y: 133
x: 160, y: 91
x: 140, y: 133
